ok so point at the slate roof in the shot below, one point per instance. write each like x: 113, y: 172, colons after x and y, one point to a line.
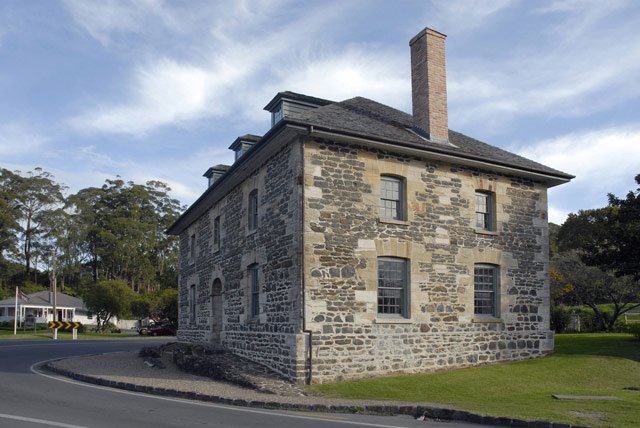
x: 363, y: 118
x: 369, y: 119
x: 41, y: 298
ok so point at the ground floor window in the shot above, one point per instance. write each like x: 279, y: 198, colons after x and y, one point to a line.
x: 393, y: 281
x: 485, y: 296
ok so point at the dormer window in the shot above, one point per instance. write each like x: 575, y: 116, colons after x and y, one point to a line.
x: 276, y: 115
x: 214, y: 173
x: 243, y: 144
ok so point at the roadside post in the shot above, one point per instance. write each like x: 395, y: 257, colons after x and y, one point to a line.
x: 65, y: 325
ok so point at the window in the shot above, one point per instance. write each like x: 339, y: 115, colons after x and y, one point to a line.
x: 392, y: 198
x: 216, y: 233
x: 484, y: 210
x: 255, y: 290
x: 253, y: 209
x: 192, y: 304
x: 192, y: 246
x: 485, y: 296
x: 392, y: 286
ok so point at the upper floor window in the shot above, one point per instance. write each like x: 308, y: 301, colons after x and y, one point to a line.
x: 485, y: 290
x: 392, y: 199
x: 485, y: 211
x: 393, y: 281
x: 253, y: 209
x: 255, y: 290
x: 192, y: 246
x: 192, y: 304
x: 216, y: 233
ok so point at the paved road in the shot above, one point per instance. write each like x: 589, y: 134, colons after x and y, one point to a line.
x: 29, y: 399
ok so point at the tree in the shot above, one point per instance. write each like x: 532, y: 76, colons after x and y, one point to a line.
x: 159, y: 306
x: 619, y: 250
x: 108, y: 299
x: 9, y: 213
x: 591, y: 286
x: 36, y: 195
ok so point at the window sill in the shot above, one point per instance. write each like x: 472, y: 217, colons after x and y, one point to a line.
x: 486, y: 232
x: 487, y: 319
x: 392, y: 221
x: 393, y: 320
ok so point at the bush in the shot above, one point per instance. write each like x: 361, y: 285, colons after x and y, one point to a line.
x: 633, y: 329
x: 560, y: 318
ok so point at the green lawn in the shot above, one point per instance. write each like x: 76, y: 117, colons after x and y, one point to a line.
x: 48, y: 334
x: 585, y: 364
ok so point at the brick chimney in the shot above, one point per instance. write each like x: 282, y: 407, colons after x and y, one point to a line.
x: 429, y: 85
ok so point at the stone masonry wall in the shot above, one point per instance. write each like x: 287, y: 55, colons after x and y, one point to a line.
x: 272, y: 337
x: 344, y: 236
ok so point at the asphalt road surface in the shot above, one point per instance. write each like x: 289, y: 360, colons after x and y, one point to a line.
x: 31, y: 399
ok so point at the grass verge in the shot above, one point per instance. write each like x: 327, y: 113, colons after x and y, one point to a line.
x: 585, y: 364
x: 48, y: 335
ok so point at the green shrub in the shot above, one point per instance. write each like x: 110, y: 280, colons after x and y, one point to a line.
x: 633, y: 329
x: 560, y: 318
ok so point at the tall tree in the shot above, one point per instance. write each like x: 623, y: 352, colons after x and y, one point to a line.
x: 37, y: 194
x: 9, y: 213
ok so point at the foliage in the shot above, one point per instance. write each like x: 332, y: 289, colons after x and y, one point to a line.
x: 586, y: 364
x: 560, y: 318
x: 107, y: 299
x: 591, y: 286
x: 607, y: 237
x: 159, y: 306
x: 111, y: 232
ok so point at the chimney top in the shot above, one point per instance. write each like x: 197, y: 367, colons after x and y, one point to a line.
x: 429, y: 85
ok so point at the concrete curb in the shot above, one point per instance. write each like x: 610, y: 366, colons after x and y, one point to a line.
x: 417, y: 411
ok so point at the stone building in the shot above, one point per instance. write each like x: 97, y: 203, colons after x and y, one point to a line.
x: 353, y: 239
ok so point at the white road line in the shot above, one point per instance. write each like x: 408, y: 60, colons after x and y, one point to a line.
x: 199, y: 403
x: 39, y: 421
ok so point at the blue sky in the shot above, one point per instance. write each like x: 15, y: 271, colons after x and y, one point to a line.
x: 158, y: 89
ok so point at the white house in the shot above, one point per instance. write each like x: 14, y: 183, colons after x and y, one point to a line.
x: 40, y: 306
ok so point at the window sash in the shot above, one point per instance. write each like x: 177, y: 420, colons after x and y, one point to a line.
x: 216, y: 232
x: 192, y: 246
x: 484, y: 211
x: 391, y: 198
x: 192, y: 304
x: 255, y: 291
x: 485, y: 290
x: 392, y: 286
x: 253, y: 210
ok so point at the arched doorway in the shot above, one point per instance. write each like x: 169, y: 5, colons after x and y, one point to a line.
x: 216, y: 311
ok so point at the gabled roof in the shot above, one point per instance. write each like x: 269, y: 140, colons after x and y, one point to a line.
x: 41, y: 298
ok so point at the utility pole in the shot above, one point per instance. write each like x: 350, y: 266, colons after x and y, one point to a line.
x: 52, y: 280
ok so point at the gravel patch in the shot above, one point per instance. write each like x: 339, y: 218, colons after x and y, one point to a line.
x: 127, y: 370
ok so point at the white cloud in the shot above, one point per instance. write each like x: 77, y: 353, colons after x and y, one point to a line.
x: 17, y: 139
x: 572, y: 69
x: 603, y: 161
x: 105, y: 18
x: 239, y: 66
x: 461, y: 15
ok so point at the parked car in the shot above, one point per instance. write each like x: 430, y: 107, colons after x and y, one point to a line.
x: 157, y: 330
